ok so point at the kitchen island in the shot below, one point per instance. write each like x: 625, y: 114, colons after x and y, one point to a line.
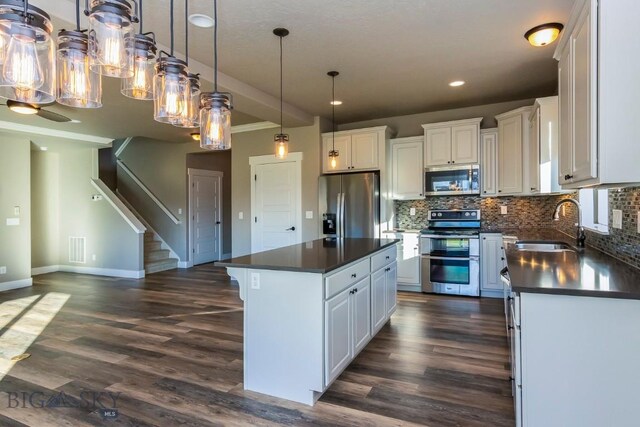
x: 309, y: 309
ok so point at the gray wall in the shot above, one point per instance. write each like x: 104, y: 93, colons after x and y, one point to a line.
x: 45, y: 194
x: 411, y: 125
x: 15, y: 241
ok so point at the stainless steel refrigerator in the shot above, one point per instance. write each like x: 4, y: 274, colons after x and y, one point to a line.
x: 350, y: 205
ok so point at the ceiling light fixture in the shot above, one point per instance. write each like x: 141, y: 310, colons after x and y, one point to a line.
x: 544, y: 34
x: 457, y: 83
x: 215, y: 107
x: 195, y: 136
x: 170, y: 84
x: 202, y: 21
x: 110, y: 29
x: 190, y: 114
x: 281, y: 139
x: 336, y: 102
x: 333, y: 154
x: 140, y: 84
x: 78, y: 86
x: 28, y: 64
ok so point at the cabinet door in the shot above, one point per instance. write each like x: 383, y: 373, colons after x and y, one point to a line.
x: 565, y: 102
x: 364, y: 151
x: 510, y: 155
x: 464, y: 144
x: 378, y: 299
x: 338, y: 335
x: 361, y: 301
x: 534, y: 152
x: 488, y: 173
x: 407, y: 170
x: 343, y: 147
x: 583, y: 154
x: 409, y: 259
x: 391, y: 284
x: 492, y: 263
x: 437, y: 149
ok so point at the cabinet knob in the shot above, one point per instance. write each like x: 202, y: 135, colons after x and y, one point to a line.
x: 568, y: 177
x: 453, y: 161
x: 485, y: 191
x: 501, y: 258
x: 510, y: 327
x: 387, y: 257
x: 449, y: 162
x: 499, y: 191
x: 354, y: 275
x: 355, y: 290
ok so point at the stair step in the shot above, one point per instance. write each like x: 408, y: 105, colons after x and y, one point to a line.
x: 156, y: 255
x: 152, y: 245
x: 162, y: 265
x: 149, y: 236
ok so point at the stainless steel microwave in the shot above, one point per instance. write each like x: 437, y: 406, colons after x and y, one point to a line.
x: 452, y: 180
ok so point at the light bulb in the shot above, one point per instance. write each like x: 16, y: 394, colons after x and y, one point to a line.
x: 113, y: 53
x: 544, y: 37
x: 21, y: 68
x: 139, y: 88
x: 334, y: 163
x: 3, y: 46
x: 282, y: 150
x: 215, y: 128
x: 78, y: 85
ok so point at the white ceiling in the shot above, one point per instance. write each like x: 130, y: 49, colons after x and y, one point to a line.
x: 395, y: 56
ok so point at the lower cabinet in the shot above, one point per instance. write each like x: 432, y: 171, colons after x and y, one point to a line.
x: 492, y: 260
x: 384, y: 290
x: 391, y: 286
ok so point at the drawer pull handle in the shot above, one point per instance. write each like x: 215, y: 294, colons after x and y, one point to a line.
x: 354, y: 275
x: 510, y: 327
x: 388, y: 257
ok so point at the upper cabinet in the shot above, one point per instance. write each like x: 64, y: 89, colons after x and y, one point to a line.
x: 513, y: 142
x: 598, y: 88
x: 407, y: 170
x: 489, y: 150
x: 451, y: 142
x: 543, y: 156
x: 358, y: 150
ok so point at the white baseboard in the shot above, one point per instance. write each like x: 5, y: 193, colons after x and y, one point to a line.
x: 16, y: 284
x: 44, y: 270
x: 185, y: 264
x: 409, y: 287
x: 127, y: 274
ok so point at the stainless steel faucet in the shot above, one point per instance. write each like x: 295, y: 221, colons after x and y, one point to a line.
x: 581, y: 236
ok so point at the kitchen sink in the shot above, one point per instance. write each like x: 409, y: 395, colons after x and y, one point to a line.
x: 543, y: 246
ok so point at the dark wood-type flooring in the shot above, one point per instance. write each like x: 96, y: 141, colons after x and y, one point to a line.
x: 171, y: 344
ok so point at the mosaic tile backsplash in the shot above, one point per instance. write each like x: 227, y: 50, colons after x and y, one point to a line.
x: 537, y: 212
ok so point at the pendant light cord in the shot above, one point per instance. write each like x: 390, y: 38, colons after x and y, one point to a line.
x: 333, y: 111
x: 281, y: 91
x: 77, y: 15
x: 141, y: 14
x: 215, y: 45
x: 171, y: 24
x: 186, y: 31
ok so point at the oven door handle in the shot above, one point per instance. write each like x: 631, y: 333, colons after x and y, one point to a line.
x: 504, y: 277
x: 445, y: 258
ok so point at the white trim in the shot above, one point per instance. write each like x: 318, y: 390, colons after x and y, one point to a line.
x: 95, y: 271
x: 474, y: 121
x: 204, y: 172
x: 122, y: 147
x: 36, y: 271
x: 148, y: 192
x: 271, y: 158
x: 354, y: 131
x: 185, y: 264
x: 36, y: 130
x: 119, y: 207
x: 16, y: 284
x: 192, y: 172
x: 226, y: 256
x: 250, y: 127
x: 522, y: 110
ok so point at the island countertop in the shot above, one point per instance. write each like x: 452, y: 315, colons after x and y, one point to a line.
x: 315, y: 256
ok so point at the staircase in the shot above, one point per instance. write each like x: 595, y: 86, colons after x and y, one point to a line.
x: 156, y: 259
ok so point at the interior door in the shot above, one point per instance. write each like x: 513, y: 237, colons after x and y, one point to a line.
x: 206, y: 218
x: 276, y: 206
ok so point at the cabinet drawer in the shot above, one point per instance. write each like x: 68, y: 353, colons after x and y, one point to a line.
x: 383, y: 258
x: 345, y: 278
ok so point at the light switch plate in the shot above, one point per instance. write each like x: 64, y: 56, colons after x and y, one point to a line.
x: 255, y: 280
x: 412, y: 211
x: 16, y: 210
x: 240, y: 215
x: 617, y: 218
x: 503, y: 210
x: 309, y: 214
x: 13, y: 221
x: 179, y: 211
x: 3, y: 270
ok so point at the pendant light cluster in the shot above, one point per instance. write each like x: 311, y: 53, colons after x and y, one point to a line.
x: 333, y: 154
x: 281, y: 139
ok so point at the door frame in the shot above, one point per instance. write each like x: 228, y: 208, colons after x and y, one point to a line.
x: 191, y: 172
x: 269, y: 159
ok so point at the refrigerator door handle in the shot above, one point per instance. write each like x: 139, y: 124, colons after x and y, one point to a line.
x: 344, y: 196
x: 338, y: 214
x: 341, y: 213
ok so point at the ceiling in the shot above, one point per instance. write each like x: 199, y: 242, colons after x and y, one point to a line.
x: 395, y: 57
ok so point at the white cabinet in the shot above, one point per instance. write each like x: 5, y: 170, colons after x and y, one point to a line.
x: 338, y: 334
x: 364, y: 151
x: 407, y: 170
x: 409, y: 259
x: 451, y: 142
x: 513, y: 137
x: 378, y: 297
x: 492, y: 261
x: 361, y: 301
x: 488, y: 166
x: 533, y: 154
x: 357, y: 150
x: 598, y: 88
x: 543, y: 154
x: 391, y: 286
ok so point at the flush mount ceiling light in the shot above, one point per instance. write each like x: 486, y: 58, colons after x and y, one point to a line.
x: 544, y: 34
x: 281, y: 139
x: 78, y: 86
x: 110, y: 28
x: 215, y: 107
x: 195, y: 136
x: 202, y: 21
x: 457, y: 83
x: 333, y: 154
x: 336, y: 102
x: 143, y: 50
x: 28, y: 64
x: 33, y: 109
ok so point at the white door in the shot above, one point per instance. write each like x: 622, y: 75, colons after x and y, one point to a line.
x: 464, y: 144
x: 338, y: 345
x: 361, y: 315
x: 391, y: 283
x: 407, y: 170
x: 378, y: 295
x: 206, y: 216
x: 276, y: 207
x: 510, y: 155
x: 364, y: 151
x: 489, y: 158
x: 343, y: 147
x: 437, y: 149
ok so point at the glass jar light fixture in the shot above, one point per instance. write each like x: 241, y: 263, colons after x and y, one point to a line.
x: 191, y: 104
x: 333, y: 153
x: 140, y: 84
x: 281, y: 139
x: 171, y: 86
x: 28, y: 53
x: 110, y: 35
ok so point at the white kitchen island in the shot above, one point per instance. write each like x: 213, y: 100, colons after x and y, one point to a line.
x: 309, y: 309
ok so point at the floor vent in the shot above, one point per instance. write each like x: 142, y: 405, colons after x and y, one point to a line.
x: 77, y: 252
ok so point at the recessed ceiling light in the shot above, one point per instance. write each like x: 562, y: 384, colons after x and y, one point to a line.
x: 336, y: 102
x: 202, y: 21
x: 43, y: 148
x: 457, y: 83
x: 544, y: 34
x: 75, y: 121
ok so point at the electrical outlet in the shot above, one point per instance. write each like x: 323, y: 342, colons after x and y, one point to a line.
x: 308, y: 215
x: 3, y: 270
x: 179, y: 211
x: 240, y: 215
x: 503, y: 210
x: 617, y: 218
x: 255, y: 280
x: 412, y: 211
x: 13, y: 221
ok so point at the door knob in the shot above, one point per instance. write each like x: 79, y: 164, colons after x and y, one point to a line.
x: 218, y: 223
x: 291, y: 229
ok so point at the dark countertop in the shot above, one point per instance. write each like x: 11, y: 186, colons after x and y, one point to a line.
x: 585, y: 273
x: 316, y: 256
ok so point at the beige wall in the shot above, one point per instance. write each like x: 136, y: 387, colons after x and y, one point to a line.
x: 303, y: 139
x: 15, y: 241
x: 45, y: 194
x: 410, y: 125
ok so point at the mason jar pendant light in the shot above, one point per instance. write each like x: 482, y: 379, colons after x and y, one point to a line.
x: 191, y: 104
x: 215, y: 107
x: 28, y: 53
x: 78, y: 86
x: 170, y: 85
x: 281, y: 139
x: 110, y: 32
x: 143, y: 50
x: 333, y: 154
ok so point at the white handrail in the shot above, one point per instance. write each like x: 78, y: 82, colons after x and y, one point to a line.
x: 148, y: 192
x: 120, y: 207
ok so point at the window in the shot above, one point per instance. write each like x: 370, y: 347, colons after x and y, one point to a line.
x: 595, y: 209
